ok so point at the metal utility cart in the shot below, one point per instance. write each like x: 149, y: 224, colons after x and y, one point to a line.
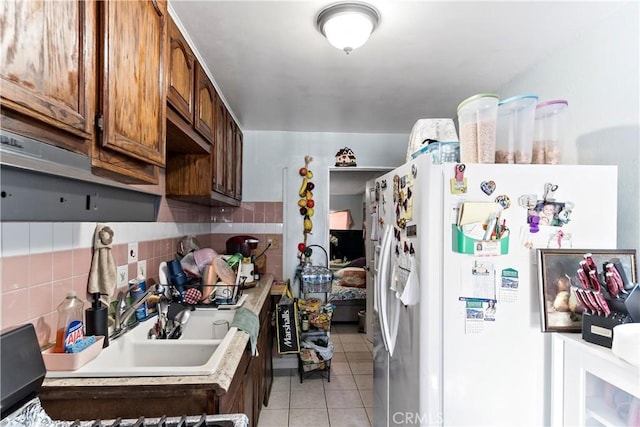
x: 314, y: 280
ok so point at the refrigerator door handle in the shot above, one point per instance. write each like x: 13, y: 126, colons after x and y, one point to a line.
x: 383, y: 277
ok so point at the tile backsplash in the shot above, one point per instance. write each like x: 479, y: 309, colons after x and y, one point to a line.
x: 41, y: 262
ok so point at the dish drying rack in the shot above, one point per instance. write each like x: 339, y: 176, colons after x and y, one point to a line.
x: 197, y: 298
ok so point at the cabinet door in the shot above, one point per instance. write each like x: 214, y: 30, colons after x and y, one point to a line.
x: 237, y: 164
x: 205, y: 105
x: 46, y: 52
x: 220, y: 148
x: 248, y: 389
x: 133, y: 87
x: 229, y: 173
x: 267, y: 351
x: 182, y: 63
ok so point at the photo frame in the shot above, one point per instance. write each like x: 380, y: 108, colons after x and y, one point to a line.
x: 560, y: 310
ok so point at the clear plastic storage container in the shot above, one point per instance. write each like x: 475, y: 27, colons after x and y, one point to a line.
x: 514, y: 136
x: 477, y: 117
x: 549, y: 131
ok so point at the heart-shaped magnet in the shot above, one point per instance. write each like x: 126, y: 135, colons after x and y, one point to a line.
x: 488, y: 187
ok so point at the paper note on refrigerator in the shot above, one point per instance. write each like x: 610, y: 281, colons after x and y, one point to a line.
x: 472, y: 212
x: 478, y: 280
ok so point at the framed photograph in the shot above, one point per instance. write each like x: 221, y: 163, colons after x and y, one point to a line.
x: 560, y: 309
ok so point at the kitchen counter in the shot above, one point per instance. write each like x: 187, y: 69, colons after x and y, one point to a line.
x: 220, y: 380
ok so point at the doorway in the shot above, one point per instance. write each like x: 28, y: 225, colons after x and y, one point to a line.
x: 349, y: 230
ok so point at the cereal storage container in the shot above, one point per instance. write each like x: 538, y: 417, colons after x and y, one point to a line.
x: 514, y: 135
x: 477, y: 116
x: 549, y: 130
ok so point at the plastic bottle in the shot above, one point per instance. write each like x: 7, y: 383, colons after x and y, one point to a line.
x: 137, y: 288
x: 70, y: 326
x: 96, y: 319
x: 305, y: 321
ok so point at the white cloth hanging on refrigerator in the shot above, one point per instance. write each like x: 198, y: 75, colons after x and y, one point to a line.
x: 374, y: 225
x: 411, y: 293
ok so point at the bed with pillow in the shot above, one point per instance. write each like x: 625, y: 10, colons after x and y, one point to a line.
x: 348, y: 290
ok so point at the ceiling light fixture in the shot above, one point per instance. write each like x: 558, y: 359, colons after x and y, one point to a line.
x: 347, y: 26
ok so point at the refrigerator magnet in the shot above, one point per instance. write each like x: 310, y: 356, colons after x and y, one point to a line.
x: 504, y: 201
x: 509, y: 284
x: 459, y: 182
x: 488, y: 187
x: 474, y: 317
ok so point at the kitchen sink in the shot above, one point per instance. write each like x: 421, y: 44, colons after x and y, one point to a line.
x: 201, y: 324
x: 197, y: 352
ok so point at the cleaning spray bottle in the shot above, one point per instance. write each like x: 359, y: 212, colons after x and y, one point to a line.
x: 70, y: 326
x: 96, y: 318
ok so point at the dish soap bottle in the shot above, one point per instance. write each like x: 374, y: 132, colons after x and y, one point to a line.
x: 70, y: 326
x: 96, y: 319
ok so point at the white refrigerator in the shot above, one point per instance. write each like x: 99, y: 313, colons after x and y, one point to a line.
x: 457, y: 324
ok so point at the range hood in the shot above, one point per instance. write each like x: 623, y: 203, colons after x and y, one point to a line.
x: 41, y: 182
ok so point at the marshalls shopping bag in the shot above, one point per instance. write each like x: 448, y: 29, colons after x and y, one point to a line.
x: 287, y: 328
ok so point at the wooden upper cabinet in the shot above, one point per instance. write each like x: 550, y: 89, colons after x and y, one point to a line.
x: 205, y: 113
x: 46, y: 52
x: 133, y: 86
x: 229, y: 174
x: 219, y: 157
x: 182, y: 64
x: 237, y: 164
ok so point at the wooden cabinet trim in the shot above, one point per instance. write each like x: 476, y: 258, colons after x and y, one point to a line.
x: 205, y: 105
x: 146, y: 139
x: 181, y: 97
x: 50, y: 82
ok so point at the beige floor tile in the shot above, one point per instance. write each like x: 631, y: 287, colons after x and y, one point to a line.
x: 337, y: 346
x: 340, y: 382
x: 310, y: 383
x: 350, y: 417
x: 364, y: 382
x: 308, y: 418
x: 352, y: 338
x: 355, y: 346
x: 344, y: 399
x: 339, y: 356
x: 281, y: 383
x: 279, y: 399
x: 361, y: 368
x: 340, y: 368
x: 345, y: 328
x: 367, y: 397
x: 356, y: 356
x: 370, y: 414
x: 274, y: 418
x: 304, y: 399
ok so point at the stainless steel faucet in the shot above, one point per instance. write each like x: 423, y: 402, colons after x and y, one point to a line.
x: 124, y: 313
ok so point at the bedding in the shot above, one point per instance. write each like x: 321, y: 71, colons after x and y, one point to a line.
x: 354, y: 277
x: 346, y: 293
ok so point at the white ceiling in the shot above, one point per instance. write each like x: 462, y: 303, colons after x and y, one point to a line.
x: 277, y: 72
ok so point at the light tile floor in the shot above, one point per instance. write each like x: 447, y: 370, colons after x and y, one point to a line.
x: 346, y: 400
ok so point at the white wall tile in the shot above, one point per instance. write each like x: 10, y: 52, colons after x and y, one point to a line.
x: 15, y: 238
x: 40, y: 237
x: 62, y: 236
x: 83, y: 234
x: 118, y: 232
x: 221, y: 227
